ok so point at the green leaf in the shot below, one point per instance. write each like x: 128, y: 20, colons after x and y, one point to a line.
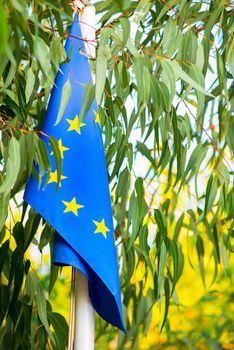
x: 66, y: 93
x: 87, y: 101
x: 196, y: 74
x: 139, y: 191
x: 200, y: 253
x: 30, y: 81
x: 168, y: 78
x: 188, y: 51
x: 102, y: 57
x: 169, y: 37
x: 211, y: 191
x: 161, y: 266
x: 230, y: 58
x: 141, y: 10
x: 4, y: 31
x: 54, y: 270
x: 4, y: 202
x: 184, y: 76
x: 42, y: 159
x: 42, y: 310
x: 125, y: 24
x: 60, y: 327
x: 167, y: 299
x: 214, y: 15
x: 143, y: 79
x: 12, y: 166
x: 58, y: 158
x: 3, y: 254
x: 45, y: 237
x: 41, y: 52
x: 160, y: 222
x: 178, y: 227
x: 195, y: 159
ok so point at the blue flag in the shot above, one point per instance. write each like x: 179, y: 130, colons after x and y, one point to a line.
x: 80, y: 208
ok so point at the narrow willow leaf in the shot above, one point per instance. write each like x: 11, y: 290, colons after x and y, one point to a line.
x: 214, y: 15
x: 169, y: 37
x: 178, y: 227
x: 143, y: 236
x: 196, y: 74
x: 175, y: 258
x: 143, y: 79
x: 141, y: 10
x: 30, y: 81
x: 42, y: 310
x: 60, y: 327
x: 66, y: 93
x: 123, y: 185
x: 160, y: 222
x: 3, y: 254
x: 161, y: 266
x: 4, y: 202
x: 87, y: 101
x: 57, y: 52
x: 101, y: 72
x: 130, y: 261
x: 4, y: 32
x: 160, y: 94
x: 188, y: 50
x: 125, y: 24
x: 200, y: 57
x: 167, y: 299
x: 216, y: 242
x: 41, y: 52
x: 184, y: 76
x: 12, y: 166
x: 54, y: 270
x: 156, y: 94
x: 139, y: 191
x: 42, y: 159
x: 168, y: 78
x: 224, y: 254
x: 211, y: 191
x: 31, y: 286
x: 230, y: 58
x: 45, y: 237
x: 58, y: 158
x: 192, y: 162
x: 30, y: 230
x: 10, y: 76
x: 200, y: 253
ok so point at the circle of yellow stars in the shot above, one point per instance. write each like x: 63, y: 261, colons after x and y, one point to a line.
x: 73, y: 207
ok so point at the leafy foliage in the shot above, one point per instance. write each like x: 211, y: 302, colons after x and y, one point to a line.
x: 164, y: 84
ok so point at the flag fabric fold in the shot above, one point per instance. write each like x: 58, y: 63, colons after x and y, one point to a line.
x: 80, y: 209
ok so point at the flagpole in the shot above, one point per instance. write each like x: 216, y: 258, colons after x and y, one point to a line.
x: 81, y: 326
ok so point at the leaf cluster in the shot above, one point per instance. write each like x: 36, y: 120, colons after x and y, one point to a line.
x: 164, y: 86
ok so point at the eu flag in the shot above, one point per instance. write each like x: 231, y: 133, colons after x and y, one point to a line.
x: 80, y: 209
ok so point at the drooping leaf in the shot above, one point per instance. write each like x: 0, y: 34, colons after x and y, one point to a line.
x: 66, y: 92
x: 4, y: 30
x: 12, y: 166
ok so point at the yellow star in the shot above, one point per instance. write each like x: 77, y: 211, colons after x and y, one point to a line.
x: 72, y: 206
x: 61, y: 148
x: 101, y: 227
x: 75, y: 124
x: 97, y: 118
x: 54, y: 177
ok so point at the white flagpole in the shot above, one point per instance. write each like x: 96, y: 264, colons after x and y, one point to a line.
x: 81, y: 327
